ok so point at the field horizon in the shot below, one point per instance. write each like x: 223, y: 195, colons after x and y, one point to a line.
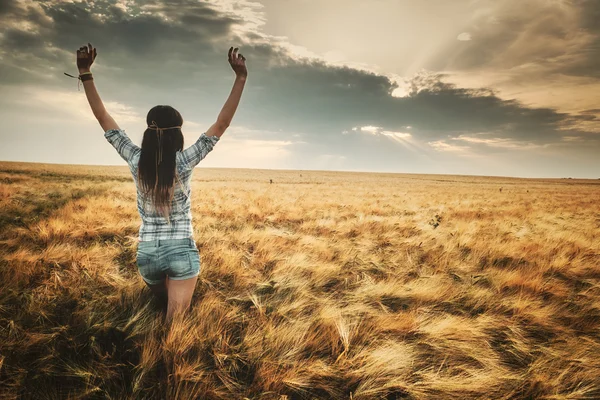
x: 320, y: 285
x: 96, y: 167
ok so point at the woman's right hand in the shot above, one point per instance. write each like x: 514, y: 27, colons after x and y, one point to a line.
x: 237, y: 62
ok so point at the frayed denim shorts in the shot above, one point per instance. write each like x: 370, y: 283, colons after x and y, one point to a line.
x: 176, y: 258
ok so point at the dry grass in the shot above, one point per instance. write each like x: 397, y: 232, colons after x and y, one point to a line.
x: 320, y: 285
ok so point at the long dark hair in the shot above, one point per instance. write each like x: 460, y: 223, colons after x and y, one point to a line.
x: 157, y: 183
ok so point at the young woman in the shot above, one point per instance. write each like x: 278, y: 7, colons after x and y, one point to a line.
x: 167, y: 257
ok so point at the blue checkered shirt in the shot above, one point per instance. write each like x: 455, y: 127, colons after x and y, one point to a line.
x: 153, y: 225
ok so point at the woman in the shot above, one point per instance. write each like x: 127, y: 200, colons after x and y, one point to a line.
x: 167, y: 257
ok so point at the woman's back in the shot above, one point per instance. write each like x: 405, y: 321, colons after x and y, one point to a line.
x: 154, y: 226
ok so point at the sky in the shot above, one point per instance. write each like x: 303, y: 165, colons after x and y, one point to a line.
x: 470, y: 87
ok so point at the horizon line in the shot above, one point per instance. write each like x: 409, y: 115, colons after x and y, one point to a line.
x: 316, y: 170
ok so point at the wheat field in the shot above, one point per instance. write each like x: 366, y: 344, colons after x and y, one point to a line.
x: 319, y: 285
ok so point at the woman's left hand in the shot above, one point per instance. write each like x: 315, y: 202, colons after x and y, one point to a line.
x: 85, y: 57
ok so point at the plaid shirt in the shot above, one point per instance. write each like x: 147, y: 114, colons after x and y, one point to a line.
x: 153, y: 225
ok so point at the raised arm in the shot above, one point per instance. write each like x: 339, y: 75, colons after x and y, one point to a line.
x: 238, y: 64
x: 85, y: 58
x: 115, y: 135
x: 205, y: 143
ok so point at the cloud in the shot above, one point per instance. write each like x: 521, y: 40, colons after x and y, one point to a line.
x: 400, y: 135
x: 550, y: 35
x: 377, y: 130
x: 499, y: 142
x: 164, y: 52
x: 179, y: 44
x: 520, y: 45
x: 441, y: 145
x: 572, y: 138
x: 464, y: 37
x: 370, y: 129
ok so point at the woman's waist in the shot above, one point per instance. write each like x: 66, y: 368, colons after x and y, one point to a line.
x: 175, y: 219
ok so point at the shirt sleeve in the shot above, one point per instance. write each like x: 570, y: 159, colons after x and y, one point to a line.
x: 121, y: 142
x: 196, y: 152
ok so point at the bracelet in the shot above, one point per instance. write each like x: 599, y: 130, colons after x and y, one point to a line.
x: 86, y: 76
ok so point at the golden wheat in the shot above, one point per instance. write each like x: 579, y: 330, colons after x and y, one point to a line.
x: 321, y: 285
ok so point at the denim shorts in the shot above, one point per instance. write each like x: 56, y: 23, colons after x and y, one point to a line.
x: 176, y: 258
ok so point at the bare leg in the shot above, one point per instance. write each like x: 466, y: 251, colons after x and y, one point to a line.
x: 180, y: 296
x: 160, y: 290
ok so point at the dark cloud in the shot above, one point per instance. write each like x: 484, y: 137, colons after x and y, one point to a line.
x: 320, y: 99
x: 21, y: 41
x: 590, y: 54
x: 546, y: 37
x: 592, y: 111
x: 131, y: 38
x: 590, y: 14
x: 7, y: 7
x: 122, y: 33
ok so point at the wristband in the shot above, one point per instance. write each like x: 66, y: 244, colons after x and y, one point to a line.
x: 86, y: 76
